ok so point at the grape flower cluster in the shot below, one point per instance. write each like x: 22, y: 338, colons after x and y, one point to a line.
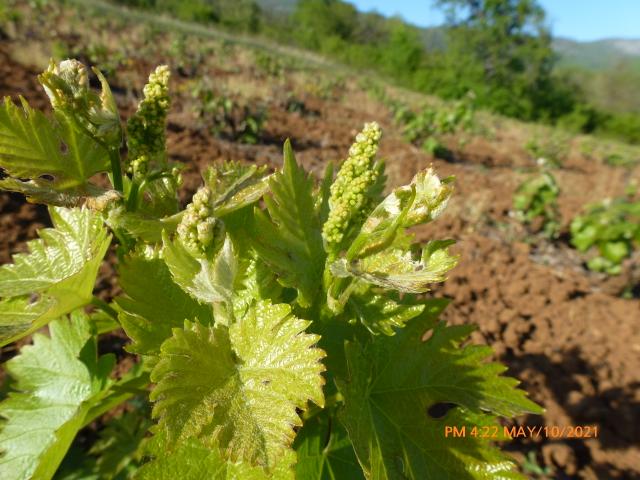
x: 146, y: 128
x: 350, y: 193
x: 199, y: 231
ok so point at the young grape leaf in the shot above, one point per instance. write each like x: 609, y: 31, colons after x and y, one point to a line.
x: 420, y: 202
x: 394, y: 382
x: 398, y: 269
x: 256, y: 282
x: 193, y: 461
x: 40, y: 192
x: 141, y: 226
x: 160, y: 199
x: 33, y: 146
x: 58, y: 380
x: 56, y: 277
x: 381, y: 313
x: 290, y: 241
x: 154, y: 304
x: 238, y: 387
x: 206, y: 281
x: 325, y: 451
x: 235, y: 186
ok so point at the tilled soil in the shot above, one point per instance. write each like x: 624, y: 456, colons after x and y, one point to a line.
x: 563, y: 331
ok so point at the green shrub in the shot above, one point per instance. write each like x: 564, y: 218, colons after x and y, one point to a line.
x: 550, y: 150
x: 427, y: 128
x: 536, y: 200
x: 612, y: 229
x: 226, y: 117
x: 624, y: 126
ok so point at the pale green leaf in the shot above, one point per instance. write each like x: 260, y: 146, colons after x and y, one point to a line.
x: 32, y: 146
x: 258, y: 282
x: 160, y: 199
x: 421, y: 201
x: 18, y: 316
x: 382, y: 313
x: 432, y: 197
x: 393, y: 382
x: 58, y: 379
x: 193, y: 461
x: 238, y: 387
x: 41, y: 192
x: 56, y: 277
x: 208, y: 281
x: 235, y: 186
x: 399, y: 269
x: 140, y: 226
x: 289, y: 240
x: 153, y: 304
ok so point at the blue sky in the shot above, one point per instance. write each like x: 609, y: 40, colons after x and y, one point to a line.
x: 578, y: 19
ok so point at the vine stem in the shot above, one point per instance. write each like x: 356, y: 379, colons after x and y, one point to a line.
x: 132, y: 201
x: 116, y: 169
x: 105, y: 307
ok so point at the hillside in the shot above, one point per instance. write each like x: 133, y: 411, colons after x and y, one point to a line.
x: 599, y: 54
x: 279, y: 6
x: 596, y: 55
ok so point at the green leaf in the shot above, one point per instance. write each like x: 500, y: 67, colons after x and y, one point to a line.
x: 615, y: 252
x: 154, y: 304
x: 205, y: 280
x: 56, y: 277
x: 382, y: 313
x: 235, y: 186
x: 40, y: 192
x: 141, y: 226
x: 160, y: 200
x: 423, y: 200
x: 193, y: 461
x: 116, y: 454
x: 32, y: 146
x: 58, y: 379
x: 325, y: 451
x: 134, y: 382
x: 582, y: 234
x: 257, y: 282
x: 399, y: 269
x: 290, y: 241
x: 117, y: 449
x: 238, y: 387
x: 394, y: 381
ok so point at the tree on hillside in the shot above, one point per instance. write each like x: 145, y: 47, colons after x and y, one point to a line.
x: 502, y: 50
x: 323, y: 24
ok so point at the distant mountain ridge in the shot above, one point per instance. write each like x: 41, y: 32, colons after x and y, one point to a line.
x: 594, y: 55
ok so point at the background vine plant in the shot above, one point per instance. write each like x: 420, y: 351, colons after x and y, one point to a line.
x: 279, y: 321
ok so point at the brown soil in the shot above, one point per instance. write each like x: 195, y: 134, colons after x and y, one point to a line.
x: 563, y: 331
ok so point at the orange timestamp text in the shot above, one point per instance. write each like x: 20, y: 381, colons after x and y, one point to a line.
x: 505, y: 432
